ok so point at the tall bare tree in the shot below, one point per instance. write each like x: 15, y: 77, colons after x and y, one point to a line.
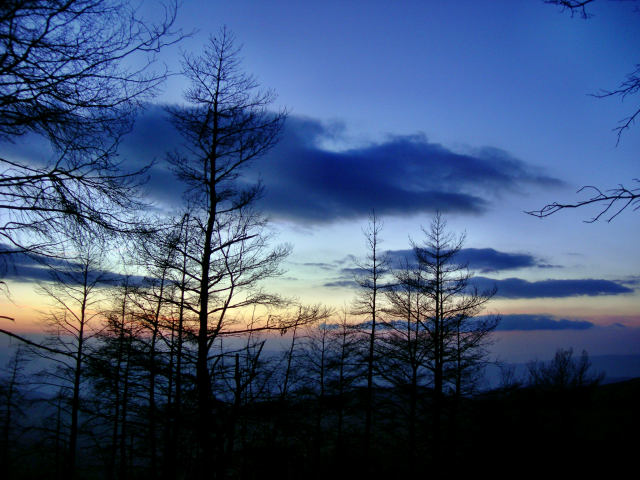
x: 346, y: 372
x: 405, y: 349
x: 115, y: 383
x: 13, y: 401
x: 74, y: 294
x: 368, y: 304
x: 226, y: 126
x: 449, y: 304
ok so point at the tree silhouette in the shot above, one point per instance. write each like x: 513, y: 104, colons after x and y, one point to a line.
x: 226, y: 126
x: 368, y: 303
x: 13, y: 401
x: 405, y: 350
x: 449, y: 304
x: 75, y: 296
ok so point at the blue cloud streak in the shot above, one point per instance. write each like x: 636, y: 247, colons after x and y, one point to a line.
x: 527, y: 322
x: 485, y: 260
x: 513, y: 288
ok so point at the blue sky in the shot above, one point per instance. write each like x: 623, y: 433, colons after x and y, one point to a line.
x: 478, y: 109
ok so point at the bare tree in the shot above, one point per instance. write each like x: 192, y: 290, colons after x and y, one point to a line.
x: 74, y: 294
x: 615, y: 201
x: 574, y: 6
x: 316, y: 366
x: 346, y: 370
x: 368, y: 303
x: 111, y: 372
x: 75, y: 297
x: 563, y: 372
x: 163, y: 299
x: 406, y: 349
x: 12, y: 403
x: 632, y: 83
x: 63, y: 77
x: 450, y: 303
x: 226, y: 126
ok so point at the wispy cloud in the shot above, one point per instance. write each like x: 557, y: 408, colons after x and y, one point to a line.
x: 341, y: 283
x: 321, y: 265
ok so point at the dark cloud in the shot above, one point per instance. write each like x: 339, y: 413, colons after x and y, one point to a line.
x: 404, y: 175
x: 484, y: 260
x: 540, y: 322
x: 150, y: 140
x: 488, y: 260
x: 519, y: 288
x: 347, y: 278
x: 513, y: 288
x: 19, y: 267
x: 398, y: 258
x: 514, y: 322
x: 632, y: 280
x: 354, y: 271
x: 307, y: 183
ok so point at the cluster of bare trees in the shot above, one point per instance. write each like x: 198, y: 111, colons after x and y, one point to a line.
x: 423, y: 338
x: 156, y: 363
x: 62, y: 78
x: 137, y: 410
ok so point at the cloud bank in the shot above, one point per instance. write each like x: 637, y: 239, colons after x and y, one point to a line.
x: 403, y: 175
x: 22, y: 268
x: 307, y: 183
x: 518, y: 288
x: 491, y: 260
x: 483, y: 260
x: 526, y: 322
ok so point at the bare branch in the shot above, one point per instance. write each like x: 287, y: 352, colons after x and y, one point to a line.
x: 34, y: 344
x: 615, y: 201
x: 574, y: 6
x: 630, y: 86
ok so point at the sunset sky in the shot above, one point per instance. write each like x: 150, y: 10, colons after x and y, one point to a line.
x: 478, y: 109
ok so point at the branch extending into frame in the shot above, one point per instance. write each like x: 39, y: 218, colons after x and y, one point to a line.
x: 630, y: 86
x: 573, y: 6
x: 615, y: 201
x: 36, y: 345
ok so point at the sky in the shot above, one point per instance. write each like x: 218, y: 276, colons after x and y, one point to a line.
x: 481, y: 110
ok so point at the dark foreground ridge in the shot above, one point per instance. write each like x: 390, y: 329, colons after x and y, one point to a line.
x: 568, y: 430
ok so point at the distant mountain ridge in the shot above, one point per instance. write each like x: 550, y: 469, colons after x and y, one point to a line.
x: 617, y: 367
